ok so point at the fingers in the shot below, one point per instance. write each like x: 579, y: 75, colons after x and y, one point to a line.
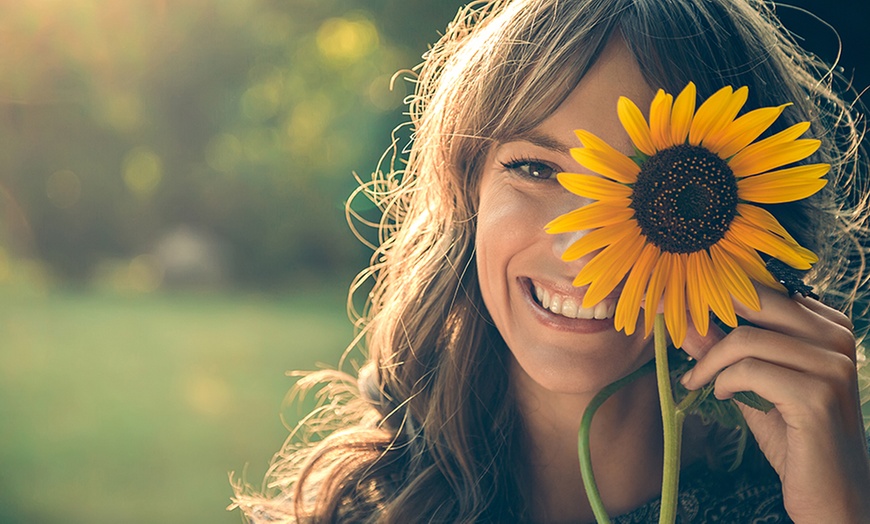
x: 799, y: 316
x: 764, y: 378
x: 799, y: 334
x: 748, y: 342
x: 803, y: 399
x: 825, y: 311
x: 796, y: 316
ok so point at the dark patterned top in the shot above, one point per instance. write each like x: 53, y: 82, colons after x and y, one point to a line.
x: 750, y: 495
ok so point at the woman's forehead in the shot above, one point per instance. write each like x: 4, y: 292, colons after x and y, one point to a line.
x: 591, y: 105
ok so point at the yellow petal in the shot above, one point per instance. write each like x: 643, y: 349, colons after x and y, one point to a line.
x: 593, y: 186
x: 715, y: 114
x: 750, y: 261
x: 660, y: 119
x: 715, y: 292
x: 766, y: 242
x: 608, y: 262
x: 675, y: 300
x: 607, y: 268
x: 743, y: 131
x: 763, y: 219
x: 707, y: 114
x: 612, y: 164
x: 734, y: 278
x: 782, y: 155
x: 694, y: 291
x: 746, y: 162
x: 591, y: 216
x: 597, y: 239
x: 628, y: 307
x: 591, y: 141
x: 725, y: 117
x: 784, y: 185
x: 681, y: 116
x: 655, y: 290
x: 635, y: 125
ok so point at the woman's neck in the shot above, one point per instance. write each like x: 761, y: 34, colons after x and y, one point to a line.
x: 626, y: 443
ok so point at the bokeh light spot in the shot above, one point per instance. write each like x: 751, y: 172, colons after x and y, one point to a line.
x: 307, y: 124
x: 122, y: 111
x: 347, y: 39
x: 143, y: 171
x: 207, y: 394
x: 63, y: 188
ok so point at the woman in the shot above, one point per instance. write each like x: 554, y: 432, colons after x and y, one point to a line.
x: 470, y: 401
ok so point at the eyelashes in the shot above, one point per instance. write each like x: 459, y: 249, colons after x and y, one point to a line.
x: 531, y: 168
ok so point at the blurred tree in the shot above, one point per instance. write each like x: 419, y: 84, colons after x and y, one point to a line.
x: 243, y: 119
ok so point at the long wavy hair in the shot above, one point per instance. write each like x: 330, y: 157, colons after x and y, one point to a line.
x: 427, y: 430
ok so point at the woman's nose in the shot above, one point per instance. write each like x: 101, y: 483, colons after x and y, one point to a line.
x: 562, y: 241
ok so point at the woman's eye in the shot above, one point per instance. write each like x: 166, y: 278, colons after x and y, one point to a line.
x: 531, y: 169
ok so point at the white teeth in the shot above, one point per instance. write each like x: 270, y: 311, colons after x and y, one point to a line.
x: 585, y: 312
x: 604, y: 310
x: 568, y: 306
x: 556, y: 304
x: 540, y: 294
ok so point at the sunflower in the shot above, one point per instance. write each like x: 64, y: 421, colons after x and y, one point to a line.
x: 678, y: 222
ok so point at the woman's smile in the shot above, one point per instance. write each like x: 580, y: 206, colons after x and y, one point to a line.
x: 560, y: 309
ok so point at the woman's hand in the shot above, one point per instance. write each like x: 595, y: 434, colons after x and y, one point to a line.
x: 800, y: 355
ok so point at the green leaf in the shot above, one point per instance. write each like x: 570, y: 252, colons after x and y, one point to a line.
x: 639, y: 157
x: 753, y: 400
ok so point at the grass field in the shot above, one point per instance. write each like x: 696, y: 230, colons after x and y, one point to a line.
x: 134, y: 409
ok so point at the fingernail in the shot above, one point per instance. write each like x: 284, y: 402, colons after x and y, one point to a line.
x: 686, y: 378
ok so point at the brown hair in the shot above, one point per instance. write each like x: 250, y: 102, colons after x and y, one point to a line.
x: 428, y: 432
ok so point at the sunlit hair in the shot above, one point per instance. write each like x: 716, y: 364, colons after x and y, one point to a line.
x: 429, y: 432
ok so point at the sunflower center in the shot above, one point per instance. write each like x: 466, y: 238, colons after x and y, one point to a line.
x: 685, y: 198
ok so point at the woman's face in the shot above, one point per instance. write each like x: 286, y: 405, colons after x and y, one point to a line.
x: 526, y: 286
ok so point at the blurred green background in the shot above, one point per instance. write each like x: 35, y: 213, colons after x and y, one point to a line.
x: 172, y: 237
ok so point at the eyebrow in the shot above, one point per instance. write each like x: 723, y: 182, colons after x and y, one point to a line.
x: 542, y: 140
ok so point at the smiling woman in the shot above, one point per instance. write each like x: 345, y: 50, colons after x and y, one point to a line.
x: 484, y: 346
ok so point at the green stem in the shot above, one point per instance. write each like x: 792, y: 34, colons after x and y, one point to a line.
x: 672, y: 423
x: 583, y: 450
x: 689, y: 401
